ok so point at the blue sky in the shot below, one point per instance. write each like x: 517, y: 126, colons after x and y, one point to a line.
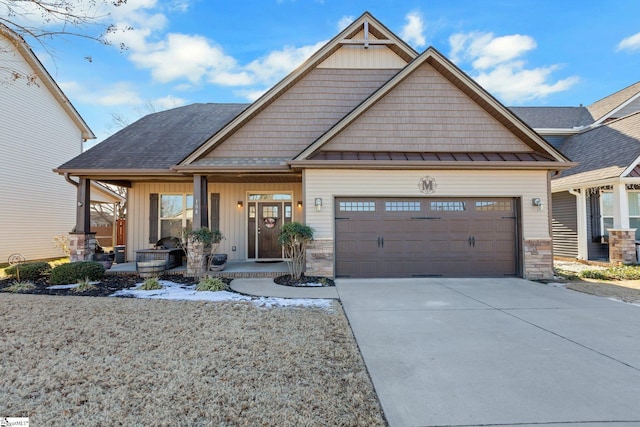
x: 542, y: 52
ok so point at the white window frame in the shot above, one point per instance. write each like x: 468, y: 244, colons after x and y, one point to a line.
x: 185, y: 208
x: 605, y: 233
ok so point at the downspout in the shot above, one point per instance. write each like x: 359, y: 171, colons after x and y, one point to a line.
x: 581, y: 213
x: 67, y: 177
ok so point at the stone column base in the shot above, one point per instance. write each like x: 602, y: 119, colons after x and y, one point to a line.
x: 622, y: 246
x: 82, y: 246
x: 538, y: 259
x: 319, y: 258
x: 197, y: 256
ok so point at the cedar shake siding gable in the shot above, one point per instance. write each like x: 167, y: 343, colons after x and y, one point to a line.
x: 431, y: 106
x: 301, y: 115
x: 426, y: 113
x: 381, y: 52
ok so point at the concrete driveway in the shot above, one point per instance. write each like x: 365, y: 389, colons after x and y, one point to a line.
x: 485, y: 352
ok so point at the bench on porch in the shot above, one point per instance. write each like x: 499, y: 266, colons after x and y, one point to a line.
x: 168, y: 249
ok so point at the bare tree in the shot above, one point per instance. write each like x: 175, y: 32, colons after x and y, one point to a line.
x: 47, y: 19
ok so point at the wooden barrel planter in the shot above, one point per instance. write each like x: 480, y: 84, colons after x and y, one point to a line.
x: 152, y: 268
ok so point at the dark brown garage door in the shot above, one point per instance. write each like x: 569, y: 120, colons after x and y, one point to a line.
x: 402, y: 237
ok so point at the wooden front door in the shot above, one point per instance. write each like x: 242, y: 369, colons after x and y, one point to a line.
x: 270, y: 217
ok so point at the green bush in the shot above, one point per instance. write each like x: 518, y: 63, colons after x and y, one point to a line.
x: 213, y: 284
x: 76, y: 271
x: 623, y: 272
x: 29, y: 270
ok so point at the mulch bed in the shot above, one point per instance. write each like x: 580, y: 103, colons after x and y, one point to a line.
x: 107, y: 286
x: 288, y: 280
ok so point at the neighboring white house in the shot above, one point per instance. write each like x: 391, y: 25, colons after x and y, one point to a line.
x: 39, y: 129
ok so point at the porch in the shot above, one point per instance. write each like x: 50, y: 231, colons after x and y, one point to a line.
x: 233, y: 269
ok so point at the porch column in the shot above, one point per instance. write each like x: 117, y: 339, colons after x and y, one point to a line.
x: 620, y: 206
x: 581, y: 211
x: 83, y: 206
x: 82, y: 242
x: 622, y: 239
x: 200, y: 202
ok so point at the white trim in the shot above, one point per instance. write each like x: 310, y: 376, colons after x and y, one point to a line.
x: 581, y: 212
x: 618, y: 108
x: 630, y: 168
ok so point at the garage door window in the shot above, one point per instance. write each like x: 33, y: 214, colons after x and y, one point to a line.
x: 493, y: 206
x: 402, y: 206
x: 449, y: 206
x: 357, y: 206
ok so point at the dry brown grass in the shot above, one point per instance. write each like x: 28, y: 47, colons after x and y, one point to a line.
x: 111, y: 361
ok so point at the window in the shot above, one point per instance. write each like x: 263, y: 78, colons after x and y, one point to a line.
x: 176, y: 213
x: 449, y: 206
x: 504, y: 205
x: 606, y: 212
x: 634, y: 212
x: 402, y: 206
x: 357, y: 206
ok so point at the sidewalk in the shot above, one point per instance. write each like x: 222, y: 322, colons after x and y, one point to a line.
x: 266, y: 287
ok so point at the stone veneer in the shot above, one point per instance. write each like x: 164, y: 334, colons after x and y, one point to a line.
x: 319, y: 258
x: 622, y: 246
x: 197, y: 255
x: 538, y: 259
x: 82, y: 246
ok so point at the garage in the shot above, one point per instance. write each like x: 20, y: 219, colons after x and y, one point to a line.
x: 426, y: 237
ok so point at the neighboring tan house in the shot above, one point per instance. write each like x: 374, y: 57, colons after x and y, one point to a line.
x: 401, y: 163
x: 39, y: 129
x: 600, y: 198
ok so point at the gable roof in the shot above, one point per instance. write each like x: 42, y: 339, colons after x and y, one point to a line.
x: 554, y: 117
x: 603, y: 108
x: 156, y: 141
x: 43, y: 75
x: 347, y: 36
x: 602, y: 153
x: 465, y: 84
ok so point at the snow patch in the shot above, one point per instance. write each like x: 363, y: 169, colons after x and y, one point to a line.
x: 176, y: 291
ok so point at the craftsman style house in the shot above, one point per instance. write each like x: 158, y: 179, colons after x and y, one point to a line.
x: 401, y: 163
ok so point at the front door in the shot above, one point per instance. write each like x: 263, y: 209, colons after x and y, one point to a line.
x: 269, y: 223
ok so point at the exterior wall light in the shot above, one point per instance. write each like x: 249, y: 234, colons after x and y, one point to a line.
x: 299, y: 203
x: 240, y: 204
x: 318, y: 203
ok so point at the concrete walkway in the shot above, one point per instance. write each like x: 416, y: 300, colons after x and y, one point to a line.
x: 471, y: 352
x: 268, y: 288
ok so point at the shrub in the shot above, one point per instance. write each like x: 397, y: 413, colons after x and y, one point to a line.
x: 294, y: 238
x: 76, y: 271
x: 29, y: 270
x: 84, y: 285
x: 151, y: 284
x: 623, y: 272
x: 20, y: 287
x: 213, y: 284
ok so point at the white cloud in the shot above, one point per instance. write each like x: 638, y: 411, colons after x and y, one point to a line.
x: 413, y: 31
x: 272, y: 67
x: 117, y: 94
x: 630, y: 43
x: 486, y: 50
x: 344, y: 22
x: 497, y: 65
x: 167, y: 102
x: 513, y: 83
x: 182, y: 56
